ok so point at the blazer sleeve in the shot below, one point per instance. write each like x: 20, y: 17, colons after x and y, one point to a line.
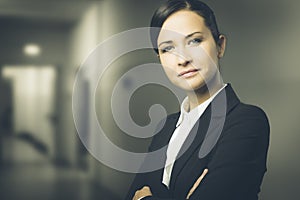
x: 238, y: 164
x: 153, y: 178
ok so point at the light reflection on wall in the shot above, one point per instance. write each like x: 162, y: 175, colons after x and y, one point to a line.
x: 33, y: 94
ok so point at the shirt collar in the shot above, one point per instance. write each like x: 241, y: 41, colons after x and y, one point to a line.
x: 194, y: 115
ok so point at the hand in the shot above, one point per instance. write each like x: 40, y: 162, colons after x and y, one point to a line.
x: 144, y: 192
x: 196, y: 184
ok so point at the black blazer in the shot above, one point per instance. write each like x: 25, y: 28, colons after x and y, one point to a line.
x: 236, y: 163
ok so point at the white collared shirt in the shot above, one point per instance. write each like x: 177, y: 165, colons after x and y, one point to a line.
x: 185, y: 123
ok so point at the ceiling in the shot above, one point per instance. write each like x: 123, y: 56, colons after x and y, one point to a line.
x: 45, y: 22
x: 64, y: 11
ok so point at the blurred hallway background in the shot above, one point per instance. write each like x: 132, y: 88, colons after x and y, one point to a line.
x: 42, y: 46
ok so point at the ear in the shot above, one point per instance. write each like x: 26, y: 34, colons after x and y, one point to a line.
x: 221, y: 46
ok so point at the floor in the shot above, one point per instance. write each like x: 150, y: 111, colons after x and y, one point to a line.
x: 22, y: 179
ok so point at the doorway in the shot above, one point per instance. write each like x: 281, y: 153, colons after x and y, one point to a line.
x: 33, y: 90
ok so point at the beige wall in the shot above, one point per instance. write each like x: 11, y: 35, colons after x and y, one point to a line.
x: 84, y: 36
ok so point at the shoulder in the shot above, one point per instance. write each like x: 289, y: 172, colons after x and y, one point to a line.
x: 173, y: 116
x: 247, y: 119
x: 247, y: 112
x: 170, y: 120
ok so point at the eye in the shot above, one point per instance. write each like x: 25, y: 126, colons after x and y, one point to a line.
x: 195, y: 41
x: 166, y: 49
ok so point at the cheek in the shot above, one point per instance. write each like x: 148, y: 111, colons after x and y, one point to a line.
x: 168, y: 65
x: 167, y: 60
x: 170, y: 72
x: 214, y: 55
x: 205, y: 56
x: 212, y: 52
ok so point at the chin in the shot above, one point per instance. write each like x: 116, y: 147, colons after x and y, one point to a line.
x: 195, y: 85
x: 191, y: 86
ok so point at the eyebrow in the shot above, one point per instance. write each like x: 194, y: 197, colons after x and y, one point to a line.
x: 188, y: 36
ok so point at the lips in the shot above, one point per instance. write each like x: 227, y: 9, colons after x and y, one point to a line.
x: 188, y: 73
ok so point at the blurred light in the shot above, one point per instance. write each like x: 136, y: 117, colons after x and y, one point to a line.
x: 32, y: 49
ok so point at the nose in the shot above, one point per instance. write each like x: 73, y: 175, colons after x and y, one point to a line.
x: 183, y: 60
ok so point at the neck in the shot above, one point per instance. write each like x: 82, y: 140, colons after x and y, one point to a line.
x: 203, y: 93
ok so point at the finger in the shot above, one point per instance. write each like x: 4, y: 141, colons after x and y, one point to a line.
x: 196, y: 184
x: 146, y: 188
x: 135, y: 195
x: 143, y: 192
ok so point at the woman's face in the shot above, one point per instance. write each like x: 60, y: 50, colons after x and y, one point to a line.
x: 188, y: 51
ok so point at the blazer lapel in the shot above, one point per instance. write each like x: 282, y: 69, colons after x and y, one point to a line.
x: 209, y: 123
x: 191, y: 144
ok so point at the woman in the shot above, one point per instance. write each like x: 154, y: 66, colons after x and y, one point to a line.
x: 230, y: 166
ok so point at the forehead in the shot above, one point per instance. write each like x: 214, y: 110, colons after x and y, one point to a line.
x: 182, y: 23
